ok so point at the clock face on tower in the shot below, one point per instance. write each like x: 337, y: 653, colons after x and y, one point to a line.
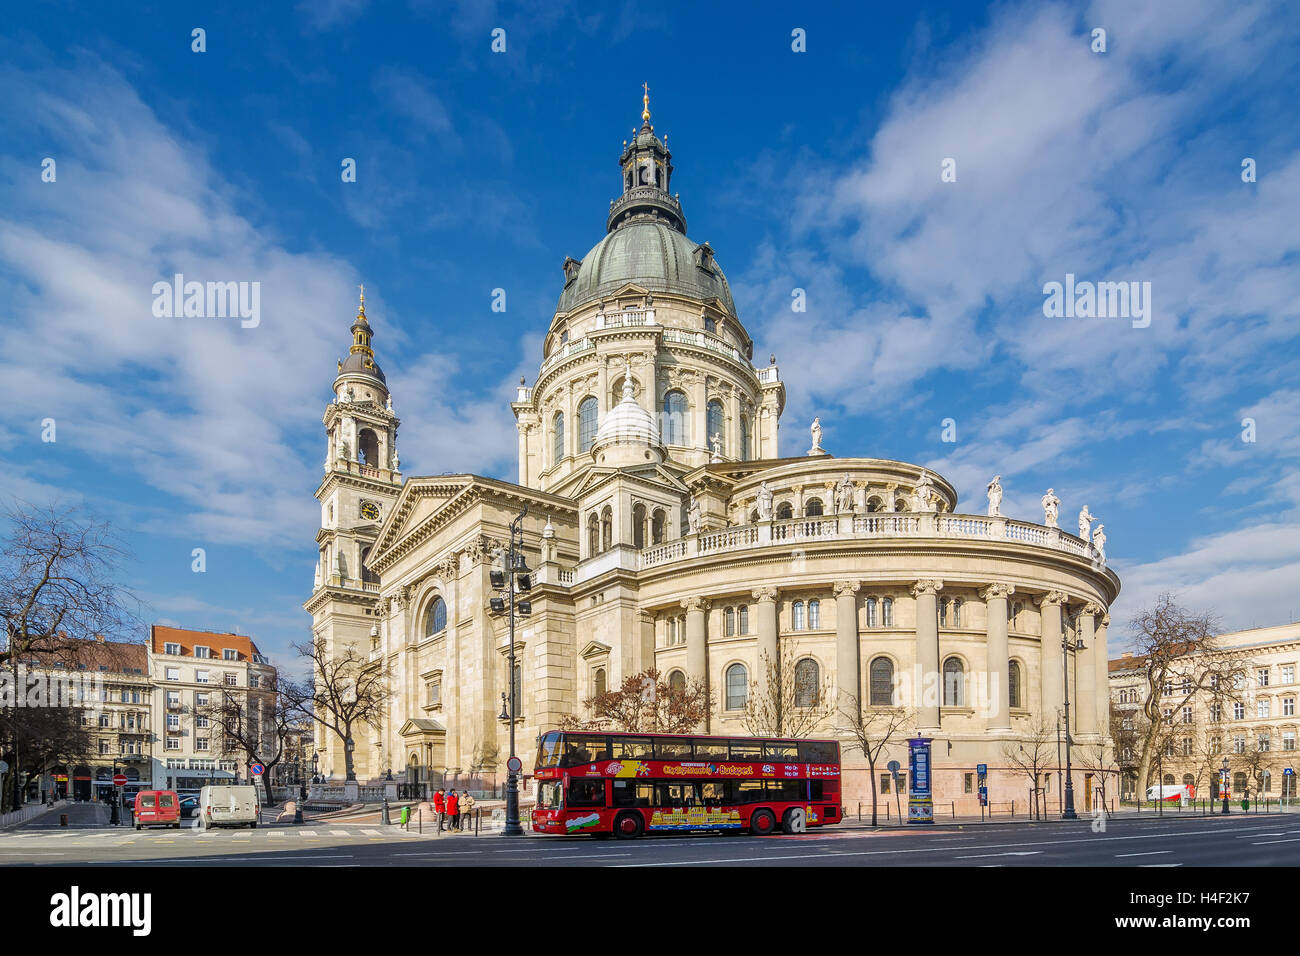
x: 370, y: 511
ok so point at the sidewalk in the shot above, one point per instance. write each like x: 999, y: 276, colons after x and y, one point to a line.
x: 29, y: 814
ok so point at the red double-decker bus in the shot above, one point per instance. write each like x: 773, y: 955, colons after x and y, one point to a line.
x: 629, y: 784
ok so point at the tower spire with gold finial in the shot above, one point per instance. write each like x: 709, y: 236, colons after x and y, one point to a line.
x: 645, y: 104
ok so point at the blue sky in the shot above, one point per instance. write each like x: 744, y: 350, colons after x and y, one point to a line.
x: 816, y: 170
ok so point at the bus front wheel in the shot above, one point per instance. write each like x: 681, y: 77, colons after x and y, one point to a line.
x: 762, y: 822
x: 629, y: 826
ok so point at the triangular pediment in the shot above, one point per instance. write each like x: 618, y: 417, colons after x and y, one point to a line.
x: 422, y: 727
x: 594, y: 649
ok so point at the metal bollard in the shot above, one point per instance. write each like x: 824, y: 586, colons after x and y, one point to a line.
x: 384, y: 817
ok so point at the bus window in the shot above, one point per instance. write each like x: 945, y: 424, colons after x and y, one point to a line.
x: 633, y: 793
x: 550, y: 795
x: 816, y: 788
x: 749, y: 791
x: 710, y: 750
x: 633, y: 748
x: 780, y: 751
x: 789, y: 791
x: 586, y: 793
x: 819, y: 751
x: 672, y: 749
x: 675, y: 794
x: 548, y: 750
x: 581, y: 749
x: 714, y: 793
x: 750, y: 750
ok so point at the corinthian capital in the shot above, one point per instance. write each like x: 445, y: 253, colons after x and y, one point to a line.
x: 765, y: 595
x: 1092, y: 608
x: 694, y: 604
x: 1105, y: 620
x: 997, y: 589
x: 927, y: 586
x: 849, y: 588
x: 1053, y: 597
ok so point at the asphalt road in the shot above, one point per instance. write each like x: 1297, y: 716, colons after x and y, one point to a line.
x: 1131, y: 842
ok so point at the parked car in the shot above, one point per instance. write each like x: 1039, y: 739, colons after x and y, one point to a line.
x: 189, y: 805
x: 155, y: 808
x: 229, y: 806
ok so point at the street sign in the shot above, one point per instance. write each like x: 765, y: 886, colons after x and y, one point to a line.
x: 984, y: 796
x: 1286, y: 773
x: 257, y: 770
x: 514, y: 765
x: 920, y: 802
x: 894, y: 766
x: 981, y: 769
x: 119, y: 780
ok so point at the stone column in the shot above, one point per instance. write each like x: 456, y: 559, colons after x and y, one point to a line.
x: 733, y: 433
x: 1050, y: 652
x: 848, y: 672
x: 1102, y: 660
x: 767, y: 634
x: 1086, y: 664
x: 699, y: 413
x: 697, y: 643
x: 995, y: 685
x: 929, y: 687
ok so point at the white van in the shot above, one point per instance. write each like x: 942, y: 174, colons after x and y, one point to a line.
x: 228, y: 806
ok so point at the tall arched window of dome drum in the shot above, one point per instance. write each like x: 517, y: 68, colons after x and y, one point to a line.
x: 672, y: 420
x: 588, y: 415
x: 658, y: 526
x: 677, y: 683
x: 872, y: 613
x: 874, y: 504
x: 743, y: 624
x: 881, y: 680
x: 737, y: 686
x: 812, y: 508
x: 943, y: 613
x: 606, y: 529
x: 435, y: 618
x: 796, y: 616
x: 557, y: 438
x: 1013, y: 684
x: 593, y: 535
x: 599, y: 685
x: 887, y: 612
x: 716, y: 424
x: 954, y: 683
x: 814, y: 614
x: 710, y: 324
x: 638, y: 526
x: 368, y: 447
x: 784, y: 510
x: 744, y: 438
x: 807, y: 683
x: 731, y: 622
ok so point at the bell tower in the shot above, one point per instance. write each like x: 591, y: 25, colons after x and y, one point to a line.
x: 362, y: 480
x: 647, y: 172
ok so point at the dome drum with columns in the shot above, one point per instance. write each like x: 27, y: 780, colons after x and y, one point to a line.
x: 666, y: 530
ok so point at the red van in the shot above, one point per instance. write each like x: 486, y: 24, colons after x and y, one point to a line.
x: 157, y: 808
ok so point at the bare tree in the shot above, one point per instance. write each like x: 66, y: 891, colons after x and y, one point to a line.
x: 1033, y: 757
x: 790, y: 702
x: 1181, y: 662
x: 872, y: 730
x: 1098, y: 758
x: 1258, y: 763
x: 1127, y: 730
x: 346, y: 693
x: 36, y: 739
x: 254, y: 725
x: 647, y: 703
x: 58, y: 570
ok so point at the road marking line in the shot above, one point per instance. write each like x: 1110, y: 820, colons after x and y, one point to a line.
x: 1158, y: 864
x: 1148, y: 853
x: 338, y: 833
x: 310, y: 833
x: 1012, y: 853
x: 1267, y: 842
x: 372, y: 832
x: 276, y: 833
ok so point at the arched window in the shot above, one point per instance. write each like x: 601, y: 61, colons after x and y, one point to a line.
x: 716, y: 424
x: 743, y: 625
x: 367, y: 447
x: 872, y: 609
x: 676, y: 683
x: 1238, y: 782
x: 670, y: 629
x: 731, y: 621
x: 599, y: 682
x: 593, y: 535
x: 638, y: 526
x: 435, y: 618
x: 807, y: 683
x: 1168, y: 780
x: 956, y: 612
x: 606, y: 529
x: 1188, y: 780
x: 812, y: 508
x: 710, y: 324
x: 784, y: 510
x: 814, y: 614
x: 1013, y: 684
x: 658, y: 525
x: 796, y: 616
x: 954, y: 683
x: 673, y: 421
x: 882, y: 682
x: 588, y: 413
x: 366, y: 573
x: 744, y: 438
x: 874, y: 504
x: 900, y: 504
x: 887, y: 612
x: 737, y: 686
x: 557, y: 437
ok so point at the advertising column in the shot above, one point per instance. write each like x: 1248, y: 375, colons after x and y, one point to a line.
x: 920, y: 799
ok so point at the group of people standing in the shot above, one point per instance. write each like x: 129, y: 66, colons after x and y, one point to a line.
x: 453, y: 809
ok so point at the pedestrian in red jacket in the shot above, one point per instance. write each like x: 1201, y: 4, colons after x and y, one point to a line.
x: 453, y: 809
x: 440, y: 808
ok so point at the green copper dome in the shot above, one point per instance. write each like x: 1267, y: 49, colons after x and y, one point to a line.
x: 653, y: 255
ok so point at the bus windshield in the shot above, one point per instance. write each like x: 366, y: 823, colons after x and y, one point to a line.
x: 550, y: 795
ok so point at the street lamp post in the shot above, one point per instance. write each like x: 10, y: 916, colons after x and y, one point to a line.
x: 1223, y: 785
x: 1068, y: 813
x: 515, y: 577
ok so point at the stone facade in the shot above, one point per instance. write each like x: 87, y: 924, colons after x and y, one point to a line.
x: 665, y: 529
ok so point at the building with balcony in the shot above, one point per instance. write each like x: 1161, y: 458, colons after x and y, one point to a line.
x: 666, y: 529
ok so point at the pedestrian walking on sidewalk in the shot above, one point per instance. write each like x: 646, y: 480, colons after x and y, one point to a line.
x: 466, y: 808
x: 453, y: 810
x: 440, y: 807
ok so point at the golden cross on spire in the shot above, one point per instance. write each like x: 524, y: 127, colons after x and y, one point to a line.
x: 361, y: 309
x: 645, y: 101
